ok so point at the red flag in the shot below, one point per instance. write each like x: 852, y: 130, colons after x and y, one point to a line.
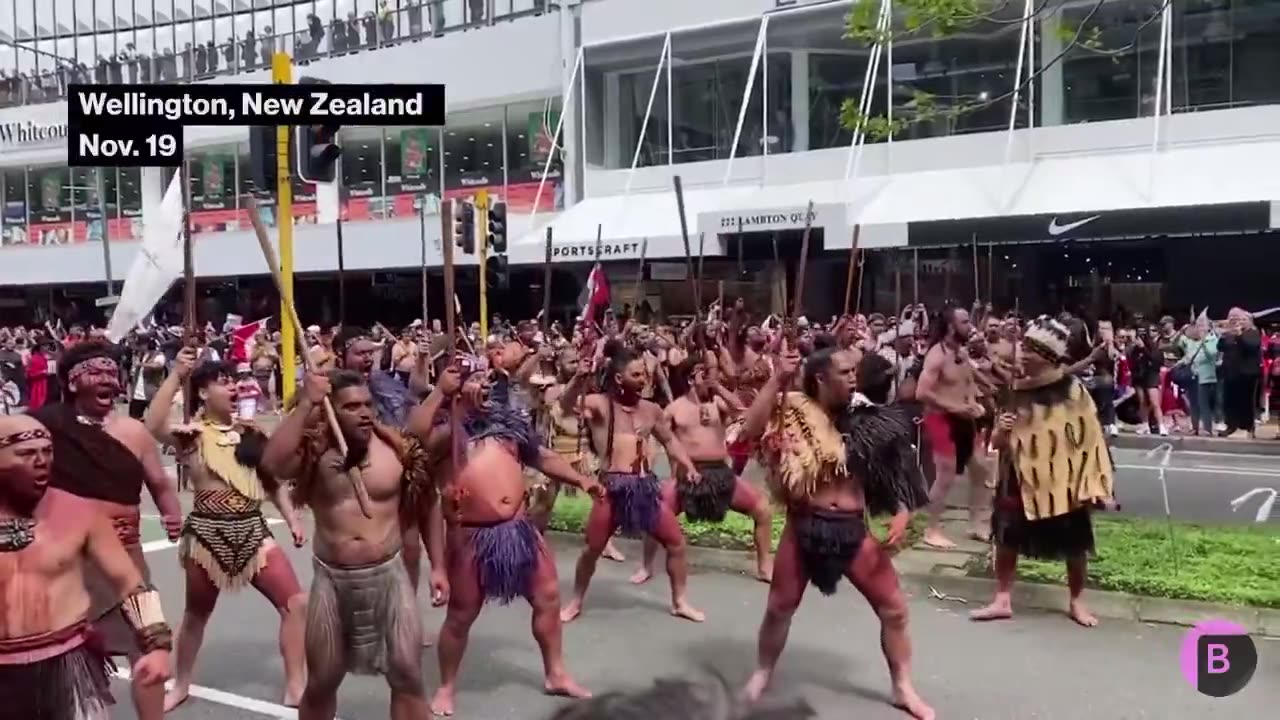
x: 241, y: 338
x: 594, y: 297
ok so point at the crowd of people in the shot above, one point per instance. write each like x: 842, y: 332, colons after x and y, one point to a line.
x: 392, y: 22
x: 414, y: 443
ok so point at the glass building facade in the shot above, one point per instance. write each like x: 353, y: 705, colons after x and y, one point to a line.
x: 386, y: 173
x: 1225, y: 54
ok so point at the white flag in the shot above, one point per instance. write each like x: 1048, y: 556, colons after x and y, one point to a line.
x: 159, y: 260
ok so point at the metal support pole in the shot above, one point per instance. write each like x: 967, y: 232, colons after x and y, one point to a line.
x: 746, y: 96
x: 282, y: 74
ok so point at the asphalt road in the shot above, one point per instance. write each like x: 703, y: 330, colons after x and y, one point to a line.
x: 1201, y: 486
x: 1037, y: 666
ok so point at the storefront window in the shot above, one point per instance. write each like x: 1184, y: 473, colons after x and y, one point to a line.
x: 1119, y: 83
x: 531, y: 131
x: 473, y: 152
x: 413, y: 169
x: 1225, y: 52
x: 15, y: 208
x: 362, y: 163
x: 213, y: 189
x: 50, y: 194
x: 130, y: 180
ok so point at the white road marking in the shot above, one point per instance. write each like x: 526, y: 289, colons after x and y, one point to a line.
x: 1203, y: 470
x: 158, y: 545
x: 239, y: 702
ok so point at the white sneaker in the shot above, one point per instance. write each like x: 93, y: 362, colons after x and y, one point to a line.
x: 1164, y: 431
x: 1113, y: 431
x: 1219, y: 427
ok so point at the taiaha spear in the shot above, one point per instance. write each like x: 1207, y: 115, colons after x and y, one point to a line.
x: 291, y: 310
x: 189, y: 303
x: 804, y: 261
x: 450, y: 319
x: 688, y: 253
x: 853, y: 264
x: 546, y: 285
x: 635, y: 290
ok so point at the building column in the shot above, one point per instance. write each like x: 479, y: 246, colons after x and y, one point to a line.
x: 1051, y: 95
x: 800, y: 99
x: 570, y: 39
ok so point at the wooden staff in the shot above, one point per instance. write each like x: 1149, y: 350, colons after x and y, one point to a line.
x: 798, y: 300
x: 422, y: 242
x: 702, y: 238
x: 546, y: 284
x: 977, y: 294
x: 635, y: 289
x: 188, y: 286
x: 269, y: 254
x: 897, y: 283
x: 853, y: 264
x: 990, y: 266
x: 450, y: 321
x: 688, y: 253
x: 862, y: 262
x: 915, y: 278
x: 777, y: 263
x: 742, y: 270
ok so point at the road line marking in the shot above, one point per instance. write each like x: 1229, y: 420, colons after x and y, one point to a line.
x: 1202, y: 470
x: 158, y: 545
x: 239, y: 702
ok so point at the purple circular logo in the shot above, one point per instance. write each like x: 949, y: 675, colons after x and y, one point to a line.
x: 1217, y: 657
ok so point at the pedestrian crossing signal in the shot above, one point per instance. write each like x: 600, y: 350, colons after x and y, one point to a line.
x: 498, y: 228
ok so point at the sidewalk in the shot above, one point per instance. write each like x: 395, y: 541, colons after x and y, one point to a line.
x: 1267, y: 442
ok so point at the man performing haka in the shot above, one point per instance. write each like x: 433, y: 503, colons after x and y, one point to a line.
x: 698, y: 418
x: 949, y: 391
x: 50, y: 668
x: 830, y: 463
x: 225, y: 541
x: 362, y: 615
x: 750, y: 372
x: 494, y: 551
x: 1044, y: 496
x: 392, y: 401
x: 564, y: 431
x: 105, y: 459
x: 632, y: 500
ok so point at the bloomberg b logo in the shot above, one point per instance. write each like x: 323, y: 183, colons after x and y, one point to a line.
x: 1218, y: 658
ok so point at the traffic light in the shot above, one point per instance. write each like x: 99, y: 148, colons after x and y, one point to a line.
x: 498, y: 228
x: 318, y: 149
x: 496, y: 272
x: 464, y: 225
x: 262, y: 157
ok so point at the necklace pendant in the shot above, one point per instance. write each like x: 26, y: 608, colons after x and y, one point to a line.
x: 704, y: 414
x: 16, y: 534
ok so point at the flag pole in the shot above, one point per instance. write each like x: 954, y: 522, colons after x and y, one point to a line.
x: 291, y: 320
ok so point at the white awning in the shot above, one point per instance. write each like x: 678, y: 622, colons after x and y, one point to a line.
x: 624, y: 223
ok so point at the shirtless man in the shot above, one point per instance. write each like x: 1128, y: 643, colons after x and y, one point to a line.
x: 856, y: 459
x: 567, y: 441
x: 362, y: 616
x: 49, y: 669
x: 493, y: 552
x: 748, y: 369
x: 949, y: 391
x: 698, y: 417
x: 621, y: 424
x: 105, y: 459
x: 221, y: 456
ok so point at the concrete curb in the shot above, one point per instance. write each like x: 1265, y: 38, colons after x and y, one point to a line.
x: 1198, y: 444
x: 921, y: 570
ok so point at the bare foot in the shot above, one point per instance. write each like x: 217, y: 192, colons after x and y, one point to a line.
x: 571, y: 611
x: 612, y: 553
x: 292, y: 696
x: 442, y: 701
x: 999, y: 610
x: 935, y: 539
x: 764, y: 571
x: 178, y: 695
x: 906, y: 698
x: 688, y: 612
x: 1081, y: 614
x: 564, y: 686
x: 756, y: 686
x: 641, y: 576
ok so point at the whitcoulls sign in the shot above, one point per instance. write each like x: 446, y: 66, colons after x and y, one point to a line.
x: 27, y: 132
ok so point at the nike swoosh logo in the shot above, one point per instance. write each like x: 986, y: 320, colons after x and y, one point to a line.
x: 1056, y: 229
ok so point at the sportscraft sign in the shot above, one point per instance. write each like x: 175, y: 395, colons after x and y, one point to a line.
x: 141, y: 125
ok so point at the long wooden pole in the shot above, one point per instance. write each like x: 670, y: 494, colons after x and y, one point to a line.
x: 291, y: 320
x: 688, y: 252
x: 977, y: 293
x: 635, y: 289
x: 188, y: 282
x: 798, y: 301
x: 546, y: 284
x: 450, y: 321
x: 422, y: 243
x: 853, y: 265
